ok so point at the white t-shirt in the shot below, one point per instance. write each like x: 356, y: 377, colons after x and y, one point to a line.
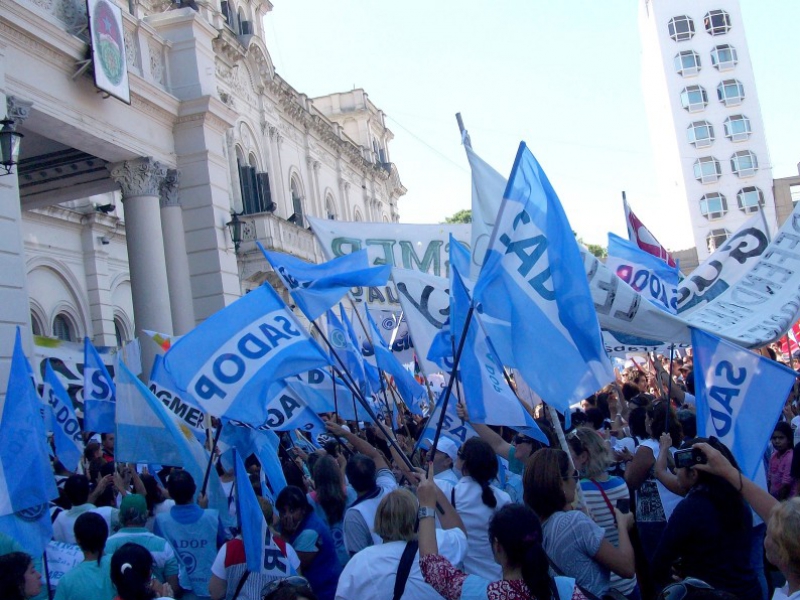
x: 371, y: 573
x: 783, y: 594
x: 796, y: 426
x: 476, y: 516
x: 64, y: 525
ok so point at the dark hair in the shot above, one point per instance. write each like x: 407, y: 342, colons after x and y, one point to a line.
x: 76, y: 489
x: 636, y: 422
x: 95, y: 466
x: 109, y: 495
x: 153, y: 493
x: 595, y: 418
x: 689, y: 381
x: 292, y: 497
x: 90, y: 450
x: 630, y: 390
x: 181, y: 487
x: 659, y: 413
x: 291, y: 592
x: 293, y: 474
x: 12, y: 575
x: 91, y: 533
x: 542, y: 480
x: 688, y: 421
x: 784, y: 428
x: 328, y: 484
x: 131, y: 569
x: 481, y: 464
x: 602, y: 404
x: 518, y: 530
x: 103, y: 437
x: 360, y: 471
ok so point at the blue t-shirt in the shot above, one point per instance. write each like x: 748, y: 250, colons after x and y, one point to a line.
x: 87, y: 580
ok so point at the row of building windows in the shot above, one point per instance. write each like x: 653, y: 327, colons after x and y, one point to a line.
x: 743, y: 164
x: 723, y: 58
x: 694, y: 98
x: 737, y: 129
x: 716, y: 22
x: 715, y: 205
x: 65, y: 330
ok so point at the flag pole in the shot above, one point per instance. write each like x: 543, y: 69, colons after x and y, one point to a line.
x: 464, y: 134
x: 350, y: 383
x: 47, y: 575
x: 453, y: 376
x: 335, y: 398
x: 211, y: 458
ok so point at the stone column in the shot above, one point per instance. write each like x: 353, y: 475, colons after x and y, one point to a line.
x: 180, y: 287
x: 140, y: 181
x: 95, y: 265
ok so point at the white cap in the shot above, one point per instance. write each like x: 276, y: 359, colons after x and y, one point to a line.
x: 445, y: 445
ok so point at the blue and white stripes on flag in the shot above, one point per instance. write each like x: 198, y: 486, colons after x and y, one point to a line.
x: 316, y: 288
x: 264, y: 444
x: 149, y: 433
x: 487, y: 195
x: 349, y: 354
x: 412, y: 393
x: 533, y: 294
x: 66, y: 428
x: 645, y: 273
x: 261, y: 552
x: 26, y: 479
x: 98, y: 392
x: 228, y: 363
x: 740, y: 396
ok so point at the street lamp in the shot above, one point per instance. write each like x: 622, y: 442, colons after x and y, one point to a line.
x: 9, y: 145
x: 235, y: 228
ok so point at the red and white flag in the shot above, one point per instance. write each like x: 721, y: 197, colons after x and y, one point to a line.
x: 641, y: 236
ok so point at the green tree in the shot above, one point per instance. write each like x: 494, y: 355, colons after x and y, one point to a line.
x: 462, y: 216
x: 596, y: 249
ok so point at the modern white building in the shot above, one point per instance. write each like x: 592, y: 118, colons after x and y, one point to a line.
x: 116, y: 218
x: 705, y: 121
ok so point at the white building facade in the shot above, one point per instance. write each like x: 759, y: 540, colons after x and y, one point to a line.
x: 116, y: 218
x: 705, y: 120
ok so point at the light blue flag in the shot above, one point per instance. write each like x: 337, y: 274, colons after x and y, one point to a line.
x: 459, y: 256
x: 316, y: 288
x: 287, y: 411
x: 66, y: 428
x: 349, y: 354
x: 534, y: 294
x: 489, y: 398
x: 98, y: 392
x: 27, y: 483
x: 149, y: 433
x: 454, y: 427
x: 264, y: 444
x: 740, y: 396
x: 645, y: 273
x: 185, y: 409
x: 412, y: 393
x: 262, y: 554
x: 228, y: 363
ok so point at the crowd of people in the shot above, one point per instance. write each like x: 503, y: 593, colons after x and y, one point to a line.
x: 606, y: 512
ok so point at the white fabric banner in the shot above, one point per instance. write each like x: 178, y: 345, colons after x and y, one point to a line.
x: 61, y: 559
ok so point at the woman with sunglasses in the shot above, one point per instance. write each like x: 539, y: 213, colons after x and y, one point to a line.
x: 576, y: 545
x: 709, y: 535
x: 591, y: 455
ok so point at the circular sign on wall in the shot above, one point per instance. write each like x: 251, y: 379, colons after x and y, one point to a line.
x: 108, y: 44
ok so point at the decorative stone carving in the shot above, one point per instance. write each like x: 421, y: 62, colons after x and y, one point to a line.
x: 169, y: 189
x: 17, y: 109
x: 139, y: 177
x: 73, y: 14
x: 130, y: 49
x: 156, y: 64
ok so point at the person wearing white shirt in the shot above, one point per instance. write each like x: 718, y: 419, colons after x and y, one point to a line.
x: 76, y: 490
x: 372, y: 573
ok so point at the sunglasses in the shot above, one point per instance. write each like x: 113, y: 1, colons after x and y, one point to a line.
x: 679, y: 591
x: 295, y: 582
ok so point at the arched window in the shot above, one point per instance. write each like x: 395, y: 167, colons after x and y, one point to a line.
x: 120, y: 333
x: 330, y: 207
x: 63, y: 329
x: 297, y: 203
x: 36, y: 324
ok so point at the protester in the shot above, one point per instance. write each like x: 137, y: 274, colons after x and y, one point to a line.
x: 107, y: 441
x: 311, y: 539
x: 18, y: 577
x: 601, y: 492
x: 91, y: 578
x: 376, y: 572
x: 131, y: 573
x: 157, y: 501
x: 575, y: 544
x: 193, y: 532
x: 330, y: 498
x: 76, y: 490
x: 654, y: 502
x: 782, y: 546
x: 133, y: 517
x: 289, y: 588
x: 476, y: 500
x: 709, y: 533
x: 444, y: 457
x: 230, y: 566
x: 371, y: 478
x: 779, y: 476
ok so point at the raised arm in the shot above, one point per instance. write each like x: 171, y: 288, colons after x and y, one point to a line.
x: 362, y: 446
x: 498, y: 444
x: 663, y: 474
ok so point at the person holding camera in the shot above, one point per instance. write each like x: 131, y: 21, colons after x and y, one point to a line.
x: 708, y: 536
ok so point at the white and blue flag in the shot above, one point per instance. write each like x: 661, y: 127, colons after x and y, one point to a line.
x: 534, y: 296
x: 185, y: 409
x: 26, y: 479
x: 98, y: 392
x: 349, y: 354
x: 228, y: 363
x: 66, y: 428
x: 647, y: 274
x: 286, y: 411
x: 262, y: 554
x: 316, y: 288
x: 740, y: 396
x: 247, y: 440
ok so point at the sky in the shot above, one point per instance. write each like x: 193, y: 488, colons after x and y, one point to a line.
x: 562, y: 76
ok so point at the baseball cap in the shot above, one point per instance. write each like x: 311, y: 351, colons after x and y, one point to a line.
x: 445, y: 445
x: 133, y: 508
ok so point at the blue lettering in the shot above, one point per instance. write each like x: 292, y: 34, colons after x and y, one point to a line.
x: 725, y: 367
x: 100, y: 388
x: 288, y: 326
x: 236, y: 361
x: 207, y: 389
x: 252, y: 347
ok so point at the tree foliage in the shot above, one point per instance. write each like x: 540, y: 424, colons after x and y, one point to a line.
x: 462, y: 216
